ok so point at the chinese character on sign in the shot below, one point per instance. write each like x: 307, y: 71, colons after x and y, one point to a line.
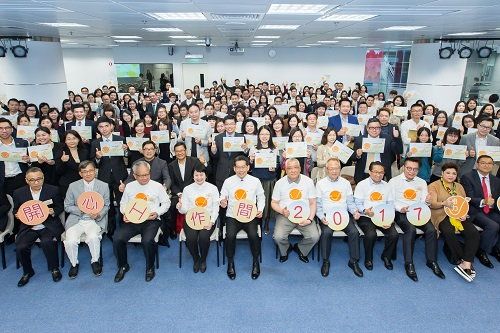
x: 138, y: 211
x: 90, y: 203
x: 244, y: 210
x: 198, y: 218
x: 32, y: 212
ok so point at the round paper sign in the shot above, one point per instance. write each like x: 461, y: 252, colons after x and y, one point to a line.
x: 498, y: 203
x: 418, y: 214
x: 460, y: 207
x: 33, y: 212
x: 90, y: 202
x: 337, y: 219
x: 299, y: 211
x: 383, y: 215
x: 137, y: 210
x: 244, y: 211
x: 197, y: 218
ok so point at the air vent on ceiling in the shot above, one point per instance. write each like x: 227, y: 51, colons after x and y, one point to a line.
x: 235, y: 17
x: 236, y: 29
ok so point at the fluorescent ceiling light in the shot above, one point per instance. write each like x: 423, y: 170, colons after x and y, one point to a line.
x: 125, y: 41
x: 393, y: 42
x: 350, y: 46
x: 163, y: 29
x: 328, y: 41
x: 347, y: 38
x: 167, y: 44
x: 259, y: 44
x: 201, y: 44
x: 185, y: 37
x: 278, y: 27
x: 344, y: 17
x: 303, y: 46
x: 313, y: 44
x: 296, y: 9
x: 193, y: 16
x: 126, y: 37
x: 262, y: 41
x: 467, y: 34
x: 65, y: 25
x: 266, y: 37
x: 196, y: 41
x: 71, y: 43
x: 402, y: 28
x: 404, y: 45
x: 113, y: 45
x: 366, y: 45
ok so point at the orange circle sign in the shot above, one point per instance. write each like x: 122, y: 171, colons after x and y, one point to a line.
x: 240, y: 194
x: 410, y: 194
x: 376, y: 196
x: 201, y: 202
x: 244, y: 211
x: 197, y: 218
x: 137, y: 210
x: 295, y: 194
x: 460, y: 207
x: 33, y: 212
x: 90, y: 202
x: 498, y: 203
x: 335, y: 195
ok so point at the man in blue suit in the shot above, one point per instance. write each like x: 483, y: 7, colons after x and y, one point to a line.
x: 338, y: 122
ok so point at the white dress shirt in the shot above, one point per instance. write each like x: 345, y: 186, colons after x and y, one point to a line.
x: 252, y: 186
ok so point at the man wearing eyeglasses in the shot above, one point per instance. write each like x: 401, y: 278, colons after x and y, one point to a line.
x: 483, y: 188
x: 47, y: 232
x: 409, y: 189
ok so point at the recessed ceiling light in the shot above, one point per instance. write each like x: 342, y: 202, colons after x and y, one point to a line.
x: 185, y: 37
x: 167, y: 44
x: 402, y: 28
x: 328, y: 41
x: 126, y: 37
x: 65, y: 25
x: 296, y: 9
x: 163, y: 29
x: 315, y: 44
x: 278, y: 27
x: 393, y: 42
x: 347, y: 38
x: 125, y: 41
x: 195, y: 40
x: 262, y: 41
x: 303, y: 46
x: 193, y: 16
x: 341, y: 17
x: 467, y: 33
x: 350, y: 46
x: 266, y: 37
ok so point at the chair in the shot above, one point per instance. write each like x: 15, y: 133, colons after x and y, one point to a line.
x: 240, y: 235
x: 395, y: 171
x: 8, y: 231
x: 213, y: 237
x: 314, y: 174
x: 137, y: 240
x: 348, y: 171
x: 296, y: 232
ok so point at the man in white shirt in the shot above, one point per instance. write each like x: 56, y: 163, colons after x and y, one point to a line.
x: 369, y: 193
x: 195, y: 132
x: 288, y: 189
x: 407, y: 190
x: 335, y: 193
x: 158, y: 202
x: 413, y: 124
x: 242, y: 186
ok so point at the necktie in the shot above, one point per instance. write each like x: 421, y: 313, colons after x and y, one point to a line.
x: 194, y: 148
x: 486, y: 208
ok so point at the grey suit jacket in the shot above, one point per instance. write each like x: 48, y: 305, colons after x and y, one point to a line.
x: 470, y: 141
x: 159, y: 172
x: 71, y: 207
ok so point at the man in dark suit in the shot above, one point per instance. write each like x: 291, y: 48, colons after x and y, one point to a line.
x: 391, y: 148
x: 11, y: 173
x: 153, y: 106
x: 80, y: 120
x: 224, y: 161
x: 338, y: 122
x: 483, y: 188
x: 112, y: 169
x: 47, y: 232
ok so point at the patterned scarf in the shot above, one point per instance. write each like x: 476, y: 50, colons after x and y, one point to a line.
x: 453, y: 221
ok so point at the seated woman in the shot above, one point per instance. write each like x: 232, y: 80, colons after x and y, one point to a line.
x: 199, y: 194
x: 440, y: 193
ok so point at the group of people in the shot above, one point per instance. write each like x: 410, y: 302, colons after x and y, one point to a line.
x: 243, y: 156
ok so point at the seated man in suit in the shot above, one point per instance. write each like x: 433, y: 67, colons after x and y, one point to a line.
x: 338, y: 122
x: 158, y: 203
x: 391, y: 148
x: 79, y: 223
x: 47, y: 232
x: 483, y: 188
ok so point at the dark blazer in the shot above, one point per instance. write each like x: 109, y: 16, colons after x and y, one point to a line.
x: 388, y: 132
x: 149, y: 108
x: 159, y: 172
x: 336, y: 123
x: 223, y: 161
x: 110, y: 168
x: 473, y: 188
x: 53, y: 223
x: 391, y: 149
x: 4, y: 210
x: 19, y: 143
x: 67, y: 172
x: 178, y: 183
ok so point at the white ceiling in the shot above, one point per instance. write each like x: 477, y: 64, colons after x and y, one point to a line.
x: 107, y: 18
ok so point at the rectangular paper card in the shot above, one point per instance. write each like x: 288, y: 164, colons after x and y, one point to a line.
x: 160, y: 136
x: 372, y: 111
x: 116, y: 133
x: 429, y: 119
x: 84, y: 131
x: 440, y: 132
x: 112, y: 148
x: 221, y: 115
x: 296, y: 149
x: 420, y: 149
x: 412, y: 135
x: 194, y: 132
x: 455, y: 152
x: 373, y: 145
x: 353, y: 129
x: 251, y: 140
x: 342, y: 152
x: 40, y: 150
x: 492, y: 151
x: 34, y: 121
x: 301, y: 115
x: 25, y: 132
x: 471, y: 130
x: 323, y: 122
x: 282, y: 109
x: 306, y: 99
x: 54, y: 136
x: 94, y: 106
x: 8, y: 154
x: 270, y: 99
x: 363, y: 119
x: 232, y: 144
x: 265, y: 159
x: 135, y: 144
x: 261, y: 121
x: 457, y: 119
x: 400, y: 111
x: 320, y: 98
x: 313, y: 138
x: 280, y: 141
x: 238, y: 126
x: 378, y: 104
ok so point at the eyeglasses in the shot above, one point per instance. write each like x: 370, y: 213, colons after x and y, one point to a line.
x: 87, y: 171
x: 411, y: 169
x: 374, y: 128
x: 485, y: 163
x: 5, y: 128
x: 378, y: 172
x: 142, y: 176
x: 485, y: 127
x: 35, y: 180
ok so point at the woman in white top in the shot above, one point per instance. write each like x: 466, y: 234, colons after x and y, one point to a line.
x: 203, y: 195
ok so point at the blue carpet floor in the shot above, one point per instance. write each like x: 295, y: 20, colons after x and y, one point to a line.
x: 288, y: 297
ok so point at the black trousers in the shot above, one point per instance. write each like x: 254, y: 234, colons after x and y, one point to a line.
x: 13, y: 183
x: 410, y: 233
x: 325, y: 241
x: 148, y: 231
x: 198, y: 241
x: 114, y: 195
x: 471, y: 239
x: 27, y: 238
x: 370, y: 231
x: 232, y: 229
x: 490, y: 223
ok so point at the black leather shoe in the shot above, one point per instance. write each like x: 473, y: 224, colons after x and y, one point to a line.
x: 325, y: 268
x: 387, y: 263
x: 96, y: 268
x: 369, y: 265
x: 56, y: 275
x: 121, y: 273
x: 73, y: 271
x: 285, y: 257
x: 196, y: 265
x: 231, y: 272
x: 302, y: 257
x: 25, y: 279
x: 255, y: 270
x: 203, y: 266
x: 436, y: 269
x: 355, y: 268
x: 150, y: 274
x: 483, y: 259
x: 410, y: 271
